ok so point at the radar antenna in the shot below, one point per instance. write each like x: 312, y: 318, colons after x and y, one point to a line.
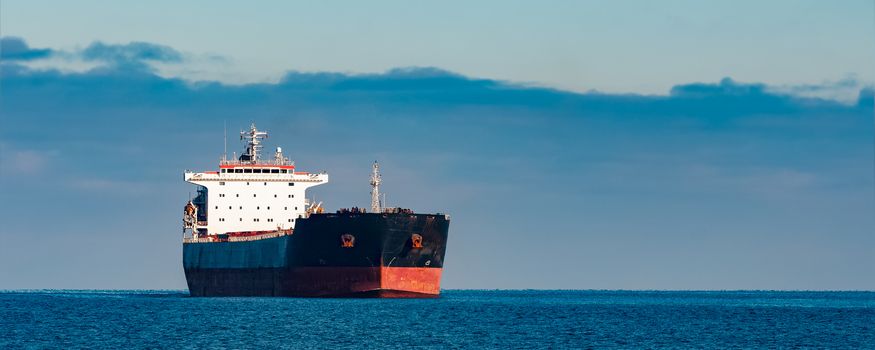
x: 375, y: 188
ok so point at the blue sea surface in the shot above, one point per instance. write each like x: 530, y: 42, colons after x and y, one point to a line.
x: 458, y: 319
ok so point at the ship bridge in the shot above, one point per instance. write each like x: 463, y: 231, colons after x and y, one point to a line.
x: 250, y: 194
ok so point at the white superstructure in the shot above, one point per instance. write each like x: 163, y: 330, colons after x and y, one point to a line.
x: 250, y: 194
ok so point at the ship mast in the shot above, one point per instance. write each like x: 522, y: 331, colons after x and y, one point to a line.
x: 253, y: 144
x: 375, y: 188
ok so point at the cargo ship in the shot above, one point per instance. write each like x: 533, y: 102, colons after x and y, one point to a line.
x: 251, y: 231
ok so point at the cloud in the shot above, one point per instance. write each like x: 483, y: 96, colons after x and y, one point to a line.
x: 844, y: 90
x: 419, y: 85
x: 16, y: 49
x: 725, y: 88
x: 134, y: 51
x: 413, y: 90
x: 134, y: 56
x: 845, y: 83
x: 25, y: 162
x: 101, y: 57
x: 420, y: 79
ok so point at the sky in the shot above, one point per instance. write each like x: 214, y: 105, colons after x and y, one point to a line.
x: 610, y: 46
x: 586, y: 145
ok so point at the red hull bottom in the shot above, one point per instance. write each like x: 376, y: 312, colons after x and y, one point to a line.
x: 354, y: 282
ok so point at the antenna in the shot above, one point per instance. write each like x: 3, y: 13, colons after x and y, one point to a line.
x: 253, y: 144
x: 225, y: 152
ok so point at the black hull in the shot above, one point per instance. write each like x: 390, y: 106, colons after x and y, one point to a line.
x: 385, y: 259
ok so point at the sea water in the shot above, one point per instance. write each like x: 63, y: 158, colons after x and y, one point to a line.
x: 457, y: 319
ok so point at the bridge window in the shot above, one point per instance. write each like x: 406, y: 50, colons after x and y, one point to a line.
x: 274, y: 171
x: 257, y: 171
x: 247, y: 171
x: 238, y: 171
x: 283, y: 171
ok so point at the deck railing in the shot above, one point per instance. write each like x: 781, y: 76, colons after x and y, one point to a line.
x: 215, y: 238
